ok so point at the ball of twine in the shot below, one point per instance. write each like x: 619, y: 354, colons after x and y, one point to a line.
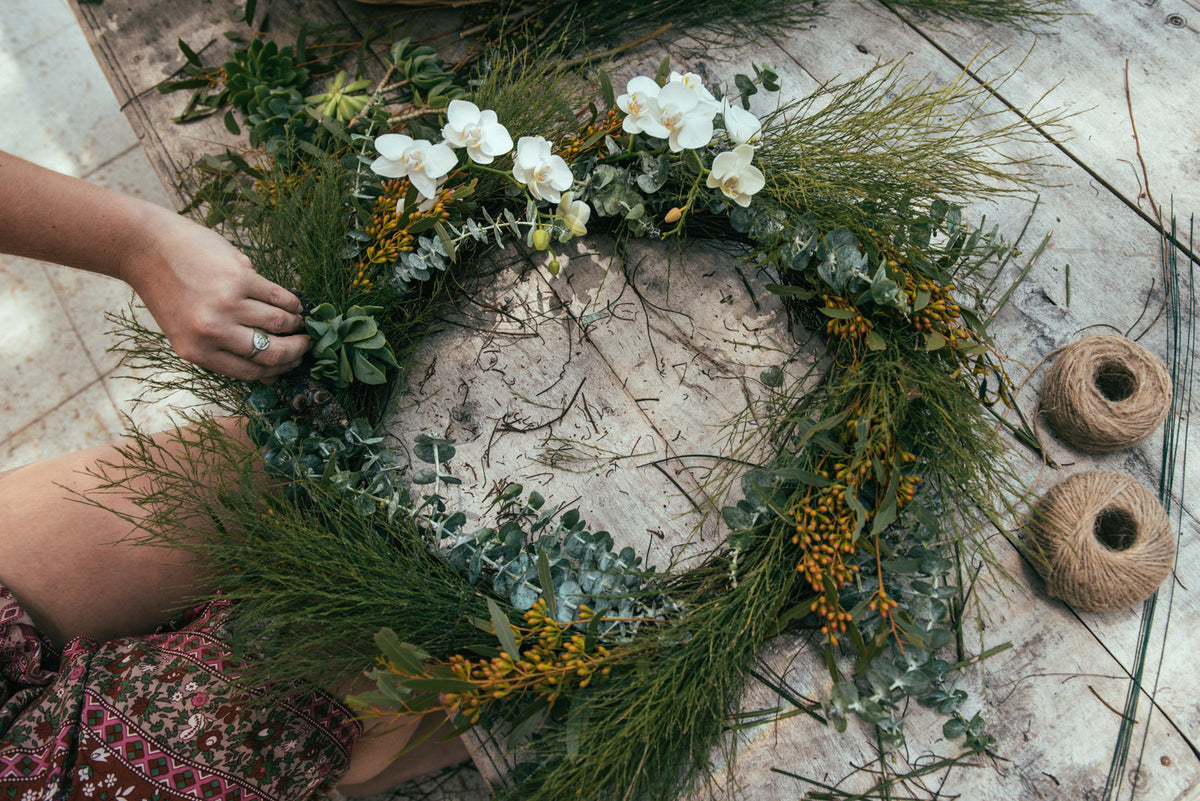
x: 1102, y: 541
x: 1105, y: 393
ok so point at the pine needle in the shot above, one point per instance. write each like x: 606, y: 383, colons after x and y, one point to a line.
x: 1181, y: 363
x: 873, y: 151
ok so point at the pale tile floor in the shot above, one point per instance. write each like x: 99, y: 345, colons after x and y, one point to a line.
x: 60, y: 390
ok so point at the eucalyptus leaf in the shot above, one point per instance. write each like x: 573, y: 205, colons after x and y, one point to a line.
x: 504, y: 630
x: 523, y: 596
x: 404, y: 656
x: 433, y: 449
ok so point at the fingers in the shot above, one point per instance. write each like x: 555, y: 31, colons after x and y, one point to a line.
x: 273, y: 295
x: 270, y: 309
x: 271, y: 319
x: 281, y: 355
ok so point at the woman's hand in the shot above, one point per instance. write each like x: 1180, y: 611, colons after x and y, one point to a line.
x: 216, y: 311
x: 212, y: 305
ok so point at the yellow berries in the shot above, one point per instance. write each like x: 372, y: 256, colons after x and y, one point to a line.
x: 587, y: 139
x: 389, y: 230
x: 854, y: 327
x: 828, y: 531
x: 550, y: 663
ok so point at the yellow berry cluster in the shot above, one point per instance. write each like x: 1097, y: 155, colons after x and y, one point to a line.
x: 608, y: 124
x: 391, y: 230
x: 274, y: 184
x: 550, y: 663
x: 827, y: 527
x: 940, y: 314
x: 825, y: 532
x: 852, y: 328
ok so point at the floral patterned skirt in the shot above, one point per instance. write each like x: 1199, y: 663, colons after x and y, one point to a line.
x: 155, y: 718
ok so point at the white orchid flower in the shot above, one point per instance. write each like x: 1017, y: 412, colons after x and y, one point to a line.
x: 640, y: 104
x: 742, y: 126
x: 694, y: 82
x: 735, y: 176
x: 686, y: 116
x: 424, y: 203
x: 574, y: 213
x: 545, y: 175
x: 478, y: 131
x: 418, y: 160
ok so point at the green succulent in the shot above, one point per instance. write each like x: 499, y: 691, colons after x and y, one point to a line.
x: 276, y: 116
x: 349, y: 347
x: 261, y: 64
x: 338, y: 100
x: 423, y: 74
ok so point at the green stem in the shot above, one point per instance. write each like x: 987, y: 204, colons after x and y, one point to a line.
x: 503, y: 173
x: 692, y: 192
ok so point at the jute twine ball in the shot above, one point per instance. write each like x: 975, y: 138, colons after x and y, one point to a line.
x: 1106, y: 393
x: 1102, y: 541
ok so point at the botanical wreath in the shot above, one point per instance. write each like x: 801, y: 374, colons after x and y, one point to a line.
x: 614, y: 679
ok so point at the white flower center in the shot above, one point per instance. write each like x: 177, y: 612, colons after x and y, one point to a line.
x: 413, y: 160
x: 542, y: 174
x: 473, y: 136
x: 636, y: 106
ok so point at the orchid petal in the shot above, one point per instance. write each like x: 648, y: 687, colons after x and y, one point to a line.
x: 461, y: 113
x: 439, y: 160
x: 388, y: 168
x: 677, y: 97
x: 392, y: 146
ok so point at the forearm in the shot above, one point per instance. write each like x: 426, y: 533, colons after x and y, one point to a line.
x: 202, y: 290
x: 57, y: 218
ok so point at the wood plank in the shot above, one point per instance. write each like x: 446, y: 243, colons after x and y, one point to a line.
x: 1084, y: 60
x: 584, y: 387
x: 1091, y: 237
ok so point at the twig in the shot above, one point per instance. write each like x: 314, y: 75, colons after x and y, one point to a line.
x: 1137, y: 145
x: 1107, y: 705
x: 379, y: 89
x: 654, y: 34
x: 502, y: 426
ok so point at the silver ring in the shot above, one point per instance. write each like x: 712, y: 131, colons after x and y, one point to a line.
x: 261, y: 343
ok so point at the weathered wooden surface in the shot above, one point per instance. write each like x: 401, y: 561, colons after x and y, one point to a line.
x: 606, y: 385
x: 605, y: 388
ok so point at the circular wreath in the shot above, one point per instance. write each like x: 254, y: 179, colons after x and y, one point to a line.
x: 611, y: 677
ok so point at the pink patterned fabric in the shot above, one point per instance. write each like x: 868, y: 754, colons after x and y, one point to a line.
x: 155, y: 717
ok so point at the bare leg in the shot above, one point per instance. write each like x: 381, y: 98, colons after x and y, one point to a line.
x: 375, y: 766
x: 69, y: 563
x: 76, y: 572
